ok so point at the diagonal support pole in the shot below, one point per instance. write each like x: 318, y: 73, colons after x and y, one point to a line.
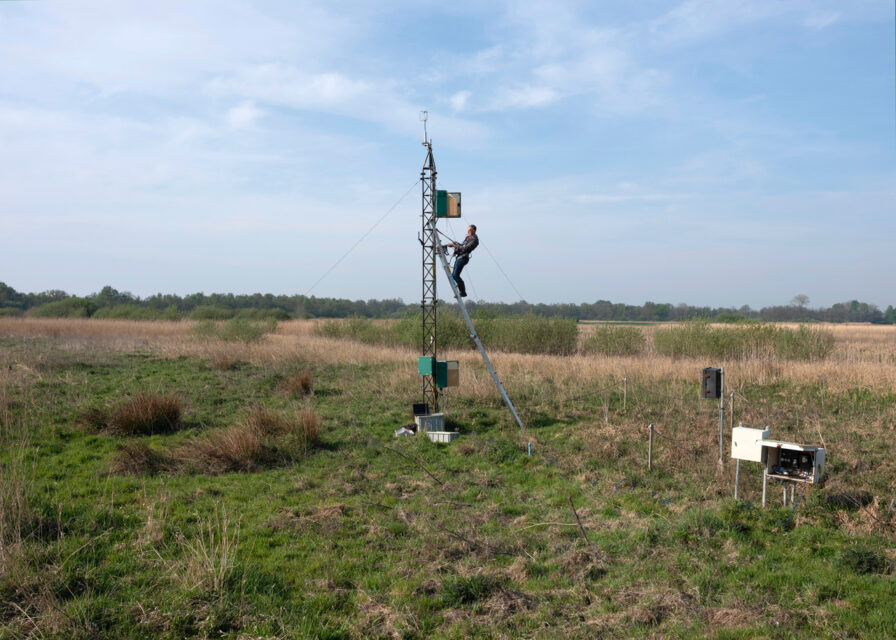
x: 440, y: 250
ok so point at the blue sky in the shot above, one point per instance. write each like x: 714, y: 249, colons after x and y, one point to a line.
x: 702, y: 151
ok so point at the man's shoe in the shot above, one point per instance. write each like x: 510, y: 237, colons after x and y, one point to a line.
x: 463, y: 294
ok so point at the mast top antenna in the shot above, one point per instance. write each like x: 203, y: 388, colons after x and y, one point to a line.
x: 424, y: 116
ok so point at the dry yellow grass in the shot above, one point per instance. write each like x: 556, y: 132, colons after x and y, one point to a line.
x: 864, y: 356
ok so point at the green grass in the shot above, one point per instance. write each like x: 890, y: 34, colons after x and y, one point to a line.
x: 355, y: 539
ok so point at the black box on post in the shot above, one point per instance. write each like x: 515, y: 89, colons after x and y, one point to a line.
x: 712, y: 383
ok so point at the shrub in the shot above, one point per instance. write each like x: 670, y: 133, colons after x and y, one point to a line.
x: 729, y: 317
x: 127, y: 312
x: 530, y: 334
x: 239, y: 330
x: 234, y: 330
x: 700, y: 339
x: 262, y: 314
x: 146, y: 414
x: 804, y: 344
x: 171, y: 313
x: 209, y: 312
x: 615, y: 341
x: 67, y: 308
x: 10, y: 312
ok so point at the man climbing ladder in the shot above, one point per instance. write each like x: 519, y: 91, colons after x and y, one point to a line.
x: 462, y: 257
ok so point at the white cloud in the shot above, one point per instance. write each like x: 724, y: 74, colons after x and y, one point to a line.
x: 695, y: 20
x: 244, y: 115
x: 459, y: 100
x: 524, y: 97
x: 379, y: 100
x: 593, y: 198
x: 820, y: 20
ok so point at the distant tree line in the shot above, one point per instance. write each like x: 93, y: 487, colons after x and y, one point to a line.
x: 111, y: 303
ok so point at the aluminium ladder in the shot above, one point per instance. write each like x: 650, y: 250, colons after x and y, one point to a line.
x: 441, y: 251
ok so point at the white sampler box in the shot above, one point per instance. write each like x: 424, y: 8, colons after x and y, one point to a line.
x: 746, y: 443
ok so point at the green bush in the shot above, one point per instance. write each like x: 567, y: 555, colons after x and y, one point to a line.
x: 234, y: 330
x: 67, y: 308
x: 128, y: 312
x: 10, y: 312
x: 741, y: 342
x: 360, y: 329
x: 209, y: 312
x: 451, y: 331
x: 171, y: 313
x: 729, y: 317
x: 530, y: 334
x: 612, y: 340
x: 262, y: 314
x: 804, y: 344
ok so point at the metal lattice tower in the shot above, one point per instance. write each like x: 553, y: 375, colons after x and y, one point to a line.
x: 429, y: 303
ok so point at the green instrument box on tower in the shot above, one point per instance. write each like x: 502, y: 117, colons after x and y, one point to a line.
x: 447, y: 204
x: 426, y: 365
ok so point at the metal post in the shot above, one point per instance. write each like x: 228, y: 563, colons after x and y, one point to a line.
x: 736, y: 476
x: 722, y: 419
x: 650, y: 448
x: 731, y: 408
x: 624, y: 393
x: 764, y: 484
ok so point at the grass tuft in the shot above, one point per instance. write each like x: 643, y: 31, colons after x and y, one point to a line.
x: 147, y: 414
x: 261, y: 439
x: 461, y: 591
x: 94, y: 418
x: 139, y: 458
x: 210, y: 556
x: 236, y: 448
x: 298, y: 384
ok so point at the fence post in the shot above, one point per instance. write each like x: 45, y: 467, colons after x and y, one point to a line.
x: 736, y: 476
x: 624, y: 394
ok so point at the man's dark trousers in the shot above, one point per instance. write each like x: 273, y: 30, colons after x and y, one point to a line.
x: 459, y: 265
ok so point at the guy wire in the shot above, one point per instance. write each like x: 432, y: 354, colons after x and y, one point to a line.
x: 361, y: 239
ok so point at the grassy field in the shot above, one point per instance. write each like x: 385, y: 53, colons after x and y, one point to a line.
x: 187, y: 480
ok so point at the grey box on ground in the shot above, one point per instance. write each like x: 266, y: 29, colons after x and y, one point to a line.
x: 430, y: 422
x: 442, y: 436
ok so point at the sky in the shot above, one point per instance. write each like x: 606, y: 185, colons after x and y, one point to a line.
x: 701, y: 151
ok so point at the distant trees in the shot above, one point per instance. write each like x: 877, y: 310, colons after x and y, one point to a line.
x: 111, y: 303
